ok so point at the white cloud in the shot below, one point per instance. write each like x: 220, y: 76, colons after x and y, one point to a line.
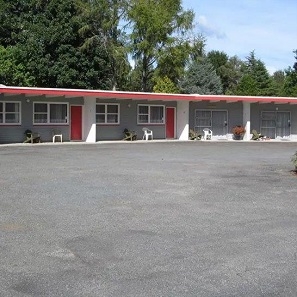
x: 209, y: 29
x: 238, y: 27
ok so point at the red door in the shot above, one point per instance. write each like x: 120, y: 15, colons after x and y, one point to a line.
x: 76, y: 123
x: 170, y: 122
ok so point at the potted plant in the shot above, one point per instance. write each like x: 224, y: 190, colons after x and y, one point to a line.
x: 294, y: 160
x: 238, y: 132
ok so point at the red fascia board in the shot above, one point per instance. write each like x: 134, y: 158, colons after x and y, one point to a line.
x: 141, y: 96
x: 97, y: 94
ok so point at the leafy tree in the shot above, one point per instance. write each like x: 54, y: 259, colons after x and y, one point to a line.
x: 103, y: 19
x: 201, y: 78
x: 153, y: 25
x: 50, y: 48
x: 174, y: 58
x: 165, y: 85
x: 12, y: 71
x: 278, y: 80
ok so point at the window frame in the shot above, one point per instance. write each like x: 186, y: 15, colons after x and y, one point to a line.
x: 48, y: 114
x: 106, y: 113
x: 4, y: 112
x: 149, y: 114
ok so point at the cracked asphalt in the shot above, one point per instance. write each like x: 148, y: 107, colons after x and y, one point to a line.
x: 148, y: 219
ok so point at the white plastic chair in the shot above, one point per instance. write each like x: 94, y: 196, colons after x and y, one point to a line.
x: 57, y: 133
x: 147, y: 133
x: 207, y: 134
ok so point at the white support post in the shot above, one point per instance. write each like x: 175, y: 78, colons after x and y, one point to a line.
x: 182, y: 120
x: 90, y: 119
x: 247, y: 120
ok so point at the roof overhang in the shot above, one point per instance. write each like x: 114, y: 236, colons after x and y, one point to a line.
x: 103, y: 94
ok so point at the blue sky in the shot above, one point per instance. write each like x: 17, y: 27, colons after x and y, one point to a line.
x: 238, y: 27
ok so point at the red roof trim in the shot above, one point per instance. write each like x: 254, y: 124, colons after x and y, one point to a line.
x: 140, y: 95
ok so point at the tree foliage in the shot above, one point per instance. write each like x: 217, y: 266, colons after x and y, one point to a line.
x: 154, y: 23
x: 91, y: 44
x: 165, y: 85
x: 201, y: 78
x: 256, y: 80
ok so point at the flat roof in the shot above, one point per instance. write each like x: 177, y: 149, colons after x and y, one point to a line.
x: 72, y: 93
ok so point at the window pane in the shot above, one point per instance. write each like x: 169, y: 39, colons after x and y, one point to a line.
x: 40, y: 118
x: 142, y: 109
x: 40, y: 107
x: 100, y: 118
x: 58, y: 113
x: 156, y: 115
x: 112, y: 108
x: 12, y: 118
x: 1, y: 117
x: 143, y: 119
x: 12, y: 107
x: 112, y: 118
x: 100, y: 108
x: 1, y: 107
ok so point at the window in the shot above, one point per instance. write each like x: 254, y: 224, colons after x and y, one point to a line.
x: 50, y: 113
x: 10, y: 113
x: 107, y: 113
x: 150, y: 114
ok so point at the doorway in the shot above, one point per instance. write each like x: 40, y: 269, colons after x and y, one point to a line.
x: 276, y: 124
x: 76, y: 122
x: 170, y: 122
x: 215, y: 120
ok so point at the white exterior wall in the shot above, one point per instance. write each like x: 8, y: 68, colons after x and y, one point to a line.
x: 182, y: 120
x: 89, y: 120
x: 247, y: 120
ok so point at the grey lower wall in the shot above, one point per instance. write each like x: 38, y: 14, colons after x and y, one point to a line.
x: 15, y: 133
x: 234, y: 111
x: 128, y: 120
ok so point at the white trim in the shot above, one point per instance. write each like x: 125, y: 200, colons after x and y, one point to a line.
x: 4, y: 113
x: 48, y: 114
x: 149, y: 113
x: 106, y: 113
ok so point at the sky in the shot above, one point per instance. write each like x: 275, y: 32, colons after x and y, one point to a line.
x: 238, y: 27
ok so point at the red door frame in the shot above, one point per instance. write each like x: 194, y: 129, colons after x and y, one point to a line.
x: 170, y: 122
x: 76, y: 116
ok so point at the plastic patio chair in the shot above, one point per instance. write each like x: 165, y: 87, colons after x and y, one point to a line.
x: 57, y: 133
x: 207, y: 134
x: 147, y: 133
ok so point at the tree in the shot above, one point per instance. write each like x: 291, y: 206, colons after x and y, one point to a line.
x: 12, y: 71
x: 201, y: 78
x: 290, y: 83
x: 256, y: 80
x: 174, y: 58
x: 103, y: 25
x: 220, y: 62
x: 153, y: 25
x: 50, y: 49
x: 278, y: 80
x: 165, y: 85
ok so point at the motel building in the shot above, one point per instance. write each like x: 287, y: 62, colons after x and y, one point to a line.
x: 97, y: 115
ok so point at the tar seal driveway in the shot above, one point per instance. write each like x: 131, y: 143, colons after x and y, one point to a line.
x: 148, y: 219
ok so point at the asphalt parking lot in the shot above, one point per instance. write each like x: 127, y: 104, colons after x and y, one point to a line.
x: 148, y: 219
